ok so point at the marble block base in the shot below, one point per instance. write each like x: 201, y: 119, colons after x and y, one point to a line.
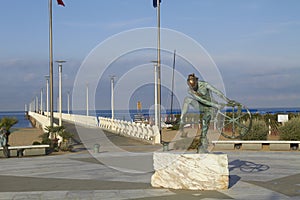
x: 190, y: 171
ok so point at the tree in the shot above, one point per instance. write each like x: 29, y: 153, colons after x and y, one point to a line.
x: 54, y: 131
x: 8, y: 122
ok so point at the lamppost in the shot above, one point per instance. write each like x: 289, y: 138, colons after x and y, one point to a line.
x: 60, y: 89
x: 41, y: 106
x: 47, y: 94
x: 155, y: 94
x: 68, y: 102
x: 37, y: 104
x: 158, y: 67
x: 87, y: 99
x: 112, y: 81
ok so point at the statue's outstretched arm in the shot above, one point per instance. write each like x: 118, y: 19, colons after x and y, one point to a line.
x: 217, y: 92
x: 204, y: 101
x: 221, y: 95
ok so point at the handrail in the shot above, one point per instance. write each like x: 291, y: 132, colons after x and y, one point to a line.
x: 137, y: 130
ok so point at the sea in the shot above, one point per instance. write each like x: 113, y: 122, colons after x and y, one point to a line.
x: 129, y: 115
x: 20, y: 115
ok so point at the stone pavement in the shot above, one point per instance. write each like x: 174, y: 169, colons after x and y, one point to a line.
x: 120, y: 173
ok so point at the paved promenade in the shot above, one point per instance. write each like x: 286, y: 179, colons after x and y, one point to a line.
x: 118, y: 172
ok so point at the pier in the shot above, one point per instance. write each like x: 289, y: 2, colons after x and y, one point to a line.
x: 146, y: 133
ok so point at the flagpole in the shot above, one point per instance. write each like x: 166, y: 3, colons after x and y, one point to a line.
x: 158, y: 69
x: 51, y: 62
x: 173, y: 85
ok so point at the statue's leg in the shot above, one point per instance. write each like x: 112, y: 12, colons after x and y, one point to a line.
x: 184, y: 110
x: 203, y: 145
x: 187, y: 101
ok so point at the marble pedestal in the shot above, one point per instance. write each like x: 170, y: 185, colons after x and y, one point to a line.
x: 190, y: 171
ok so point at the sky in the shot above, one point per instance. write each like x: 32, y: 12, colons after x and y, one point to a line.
x: 254, y: 44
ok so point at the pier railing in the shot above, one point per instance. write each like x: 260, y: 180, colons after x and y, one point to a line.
x: 140, y: 131
x: 84, y: 120
x: 41, y: 120
x: 132, y: 129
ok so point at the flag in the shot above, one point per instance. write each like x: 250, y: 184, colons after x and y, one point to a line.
x: 155, y: 3
x: 60, y: 2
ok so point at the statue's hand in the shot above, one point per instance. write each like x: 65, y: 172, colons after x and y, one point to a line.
x: 232, y: 103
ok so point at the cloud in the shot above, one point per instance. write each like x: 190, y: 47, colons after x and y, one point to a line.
x: 259, y: 81
x: 29, y: 77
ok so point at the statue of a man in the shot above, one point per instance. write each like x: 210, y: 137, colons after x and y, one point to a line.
x: 201, y: 98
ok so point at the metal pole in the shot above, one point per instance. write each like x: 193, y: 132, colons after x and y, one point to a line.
x: 51, y: 62
x: 60, y: 89
x: 87, y: 99
x: 158, y: 68
x: 42, y: 101
x: 68, y: 102
x: 59, y: 94
x: 37, y: 104
x: 112, y: 97
x: 172, y: 95
x: 155, y: 94
x: 47, y: 95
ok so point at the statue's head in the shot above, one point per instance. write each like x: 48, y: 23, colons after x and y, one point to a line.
x: 192, y: 81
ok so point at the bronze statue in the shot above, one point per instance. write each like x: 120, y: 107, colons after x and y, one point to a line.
x: 201, y: 98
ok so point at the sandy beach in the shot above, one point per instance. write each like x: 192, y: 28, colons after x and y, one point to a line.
x: 24, y: 136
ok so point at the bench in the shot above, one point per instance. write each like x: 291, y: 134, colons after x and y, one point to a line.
x: 274, y: 145
x: 31, y: 150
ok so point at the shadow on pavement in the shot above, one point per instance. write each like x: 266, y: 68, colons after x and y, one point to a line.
x: 247, y: 166
x: 233, y: 179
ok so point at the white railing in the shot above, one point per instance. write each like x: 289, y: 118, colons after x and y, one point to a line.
x: 42, y: 120
x: 78, y: 119
x: 132, y: 129
x: 126, y: 128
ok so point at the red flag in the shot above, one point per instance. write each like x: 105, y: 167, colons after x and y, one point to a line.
x: 60, y: 2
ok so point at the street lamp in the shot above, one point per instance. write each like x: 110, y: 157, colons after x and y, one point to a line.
x: 112, y: 81
x: 37, y: 104
x: 155, y: 94
x: 41, y: 106
x: 60, y: 89
x: 47, y: 94
x: 68, y: 102
x: 158, y: 68
x: 87, y: 99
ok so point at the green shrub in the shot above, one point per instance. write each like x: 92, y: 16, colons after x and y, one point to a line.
x: 290, y: 130
x: 65, y: 135
x: 45, y: 138
x: 54, y: 131
x: 65, y: 146
x: 36, y: 143
x: 258, y: 131
x: 174, y: 127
